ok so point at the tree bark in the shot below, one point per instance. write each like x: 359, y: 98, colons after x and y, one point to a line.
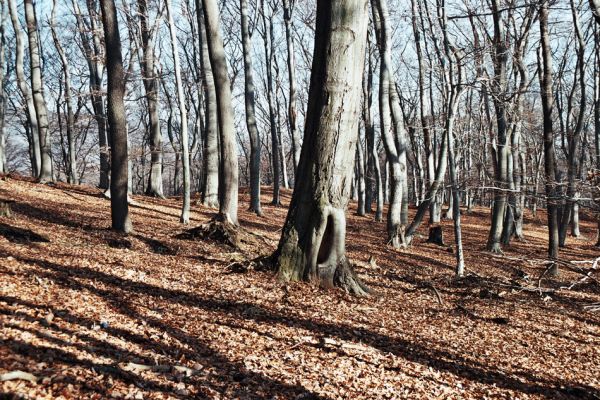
x: 91, y: 50
x: 228, y: 163
x: 185, y: 149
x: 549, y: 150
x: 210, y: 182
x: 251, y: 112
x: 3, y: 166
x: 155, y: 181
x: 269, y: 56
x: 25, y: 91
x: 288, y: 6
x: 37, y: 88
x: 72, y: 177
x: 116, y: 119
x: 312, y: 244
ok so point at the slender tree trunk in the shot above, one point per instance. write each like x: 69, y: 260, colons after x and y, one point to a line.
x: 116, y: 119
x: 360, y: 176
x: 72, y: 161
x: 549, y: 151
x: 91, y: 50
x: 155, y: 181
x: 288, y: 6
x: 3, y: 166
x: 312, y: 244
x: 185, y: 149
x: 251, y: 113
x: 210, y: 190
x: 37, y: 88
x: 25, y: 91
x: 269, y: 58
x: 393, y: 136
x: 228, y: 163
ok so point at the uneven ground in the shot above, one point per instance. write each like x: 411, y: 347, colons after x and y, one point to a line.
x: 93, y: 314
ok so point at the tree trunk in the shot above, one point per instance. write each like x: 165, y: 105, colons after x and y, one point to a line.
x: 37, y: 88
x: 360, y: 176
x: 393, y: 136
x: 185, y: 149
x: 549, y: 151
x: 269, y: 55
x: 72, y: 161
x: 116, y: 119
x: 251, y: 113
x: 3, y: 166
x: 210, y: 189
x: 289, y: 28
x: 312, y: 244
x: 228, y: 163
x: 25, y: 91
x: 155, y: 181
x: 91, y: 50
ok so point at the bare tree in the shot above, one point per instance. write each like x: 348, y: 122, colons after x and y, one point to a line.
x: 117, y: 122
x: 251, y: 112
x: 312, y: 244
x: 37, y: 87
x: 36, y: 159
x: 185, y: 150
x: 228, y: 164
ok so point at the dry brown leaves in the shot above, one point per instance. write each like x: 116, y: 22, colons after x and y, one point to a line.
x: 93, y: 314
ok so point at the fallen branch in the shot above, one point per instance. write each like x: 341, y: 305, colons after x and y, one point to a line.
x: 14, y: 375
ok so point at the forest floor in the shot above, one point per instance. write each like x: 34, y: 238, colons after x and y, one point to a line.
x: 94, y: 314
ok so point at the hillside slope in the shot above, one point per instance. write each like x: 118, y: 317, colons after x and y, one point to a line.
x: 94, y: 314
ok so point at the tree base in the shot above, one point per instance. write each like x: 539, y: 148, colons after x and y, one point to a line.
x: 436, y: 235
x: 217, y: 231
x: 5, y: 210
x: 494, y: 248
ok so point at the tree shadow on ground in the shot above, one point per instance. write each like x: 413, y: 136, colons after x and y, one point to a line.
x: 117, y: 290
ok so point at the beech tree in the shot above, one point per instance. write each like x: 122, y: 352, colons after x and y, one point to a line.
x: 117, y: 122
x: 312, y: 244
x: 228, y: 163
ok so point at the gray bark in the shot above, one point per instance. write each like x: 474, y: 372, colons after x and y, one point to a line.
x: 251, y: 112
x: 288, y: 6
x: 37, y: 88
x: 185, y: 149
x: 312, y: 245
x: 549, y: 150
x: 155, y: 181
x: 116, y: 119
x: 25, y: 90
x: 210, y: 190
x: 228, y: 163
x: 72, y: 177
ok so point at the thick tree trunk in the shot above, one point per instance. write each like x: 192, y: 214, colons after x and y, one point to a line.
x: 116, y: 119
x: 228, y: 163
x: 251, y: 113
x: 37, y: 88
x: 312, y: 245
x: 25, y: 91
x: 185, y: 150
x: 549, y: 151
x: 210, y: 182
x: 155, y: 181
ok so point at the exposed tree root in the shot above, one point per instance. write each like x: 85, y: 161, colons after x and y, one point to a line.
x: 214, y: 230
